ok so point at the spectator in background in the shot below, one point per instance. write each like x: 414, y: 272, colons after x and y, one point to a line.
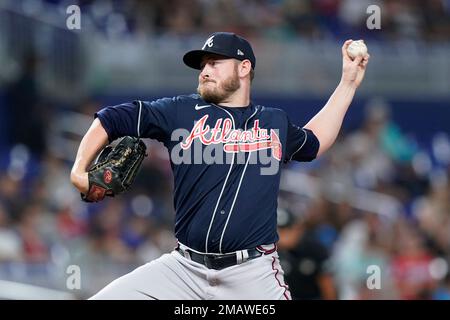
x: 24, y: 105
x: 411, y: 264
x: 363, y: 242
x: 10, y: 242
x: 378, y: 147
x: 304, y: 259
x: 432, y: 213
x: 31, y: 228
x: 442, y: 291
x: 435, y: 15
x: 106, y: 231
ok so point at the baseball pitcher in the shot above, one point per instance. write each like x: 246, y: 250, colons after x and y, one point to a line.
x: 225, y: 153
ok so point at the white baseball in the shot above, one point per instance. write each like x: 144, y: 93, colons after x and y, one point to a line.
x: 357, y: 48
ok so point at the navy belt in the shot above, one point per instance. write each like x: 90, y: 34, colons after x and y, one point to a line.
x: 220, y: 261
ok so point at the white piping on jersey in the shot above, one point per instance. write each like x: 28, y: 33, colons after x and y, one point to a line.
x: 139, y: 118
x: 234, y: 201
x: 239, y: 187
x: 185, y: 247
x: 223, y: 187
x: 304, y: 141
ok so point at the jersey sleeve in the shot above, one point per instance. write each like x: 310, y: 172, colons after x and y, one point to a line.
x: 155, y: 119
x: 301, y: 144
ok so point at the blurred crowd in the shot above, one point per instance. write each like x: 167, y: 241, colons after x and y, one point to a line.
x: 45, y: 227
x: 273, y: 19
x: 290, y: 19
x: 334, y: 247
x: 329, y: 242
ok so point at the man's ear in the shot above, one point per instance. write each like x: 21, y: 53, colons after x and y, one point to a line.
x: 244, y: 68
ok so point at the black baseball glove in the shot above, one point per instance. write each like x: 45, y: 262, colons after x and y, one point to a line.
x: 115, y: 169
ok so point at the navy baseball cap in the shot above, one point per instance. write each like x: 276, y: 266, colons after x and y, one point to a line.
x: 222, y: 43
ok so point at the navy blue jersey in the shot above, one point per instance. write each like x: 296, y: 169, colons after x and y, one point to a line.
x: 225, y: 163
